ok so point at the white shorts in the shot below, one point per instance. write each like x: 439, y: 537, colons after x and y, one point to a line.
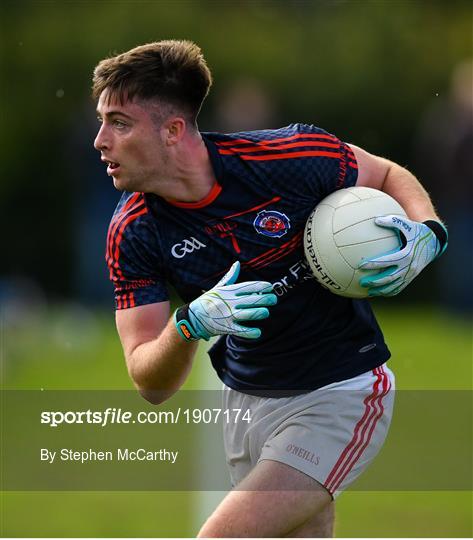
x: 331, y: 434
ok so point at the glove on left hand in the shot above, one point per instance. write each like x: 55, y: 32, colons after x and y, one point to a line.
x: 223, y: 309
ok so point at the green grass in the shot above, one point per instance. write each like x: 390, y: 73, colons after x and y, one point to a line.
x: 80, y: 350
x: 430, y: 349
x: 443, y: 514
x: 96, y: 514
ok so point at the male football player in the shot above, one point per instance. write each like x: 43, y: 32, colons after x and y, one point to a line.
x: 221, y: 218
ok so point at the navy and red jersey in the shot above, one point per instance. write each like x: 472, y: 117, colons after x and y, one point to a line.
x: 268, y: 182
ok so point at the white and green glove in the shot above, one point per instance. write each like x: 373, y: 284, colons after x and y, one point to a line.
x: 421, y: 244
x: 222, y: 309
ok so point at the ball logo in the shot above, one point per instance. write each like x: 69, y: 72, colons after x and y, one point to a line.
x: 311, y: 257
x: 271, y: 223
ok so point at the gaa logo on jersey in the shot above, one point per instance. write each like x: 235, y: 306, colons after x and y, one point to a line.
x: 271, y: 223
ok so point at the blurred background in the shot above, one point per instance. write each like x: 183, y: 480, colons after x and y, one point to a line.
x: 394, y: 77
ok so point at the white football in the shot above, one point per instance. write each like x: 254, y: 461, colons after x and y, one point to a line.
x: 341, y: 232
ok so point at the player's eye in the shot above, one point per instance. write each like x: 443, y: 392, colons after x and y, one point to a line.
x: 119, y: 124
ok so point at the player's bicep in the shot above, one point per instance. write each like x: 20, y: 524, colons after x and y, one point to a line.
x: 372, y: 170
x: 141, y: 324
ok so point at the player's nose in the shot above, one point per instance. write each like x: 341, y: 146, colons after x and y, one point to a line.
x: 101, y: 141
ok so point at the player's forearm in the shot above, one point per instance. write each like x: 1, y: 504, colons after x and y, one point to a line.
x: 409, y: 192
x: 160, y: 367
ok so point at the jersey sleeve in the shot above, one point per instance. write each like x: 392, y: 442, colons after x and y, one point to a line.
x: 323, y: 163
x: 300, y: 160
x: 133, y: 255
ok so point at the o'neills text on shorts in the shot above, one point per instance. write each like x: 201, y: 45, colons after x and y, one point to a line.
x: 303, y: 453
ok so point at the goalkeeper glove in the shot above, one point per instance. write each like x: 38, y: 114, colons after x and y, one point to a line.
x: 221, y: 309
x: 421, y: 244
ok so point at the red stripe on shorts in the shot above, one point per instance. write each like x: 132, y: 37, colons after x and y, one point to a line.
x: 363, y: 432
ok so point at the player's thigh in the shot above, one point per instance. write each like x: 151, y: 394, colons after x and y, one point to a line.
x: 272, y: 501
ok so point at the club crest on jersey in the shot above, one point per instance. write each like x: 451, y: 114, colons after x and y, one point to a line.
x: 272, y: 223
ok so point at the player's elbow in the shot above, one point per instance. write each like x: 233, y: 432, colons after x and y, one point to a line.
x: 155, y: 397
x: 151, y: 392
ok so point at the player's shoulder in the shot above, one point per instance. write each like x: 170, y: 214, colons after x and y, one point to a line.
x: 129, y: 201
x: 265, y: 135
x: 133, y: 205
x: 132, y: 216
x: 289, y: 131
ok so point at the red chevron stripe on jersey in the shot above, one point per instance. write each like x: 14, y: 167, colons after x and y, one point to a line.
x: 267, y: 257
x: 282, y: 252
x: 275, y: 253
x: 302, y: 136
x: 264, y: 147
x: 116, y: 253
x: 126, y: 300
x: 262, y: 205
x: 352, y: 158
x: 291, y: 155
x: 116, y: 221
x: 363, y: 431
x: 134, y: 283
x: 242, y: 146
x: 280, y: 140
x: 116, y: 234
x: 236, y: 141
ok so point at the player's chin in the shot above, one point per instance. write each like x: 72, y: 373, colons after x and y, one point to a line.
x: 124, y: 181
x: 120, y: 183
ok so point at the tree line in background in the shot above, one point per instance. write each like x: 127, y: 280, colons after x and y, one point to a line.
x: 367, y: 71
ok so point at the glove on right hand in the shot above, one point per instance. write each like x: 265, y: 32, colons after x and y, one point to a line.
x: 398, y: 268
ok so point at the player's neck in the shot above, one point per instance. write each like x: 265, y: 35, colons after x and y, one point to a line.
x: 193, y: 177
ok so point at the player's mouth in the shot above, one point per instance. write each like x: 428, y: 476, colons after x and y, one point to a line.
x: 112, y: 167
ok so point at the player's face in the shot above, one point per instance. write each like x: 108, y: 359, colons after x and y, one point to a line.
x: 131, y: 144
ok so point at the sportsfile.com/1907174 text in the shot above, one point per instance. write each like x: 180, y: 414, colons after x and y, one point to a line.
x: 114, y: 415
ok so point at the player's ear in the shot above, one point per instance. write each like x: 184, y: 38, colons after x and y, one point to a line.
x: 175, y: 128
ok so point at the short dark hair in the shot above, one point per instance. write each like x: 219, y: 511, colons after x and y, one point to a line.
x: 172, y: 71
